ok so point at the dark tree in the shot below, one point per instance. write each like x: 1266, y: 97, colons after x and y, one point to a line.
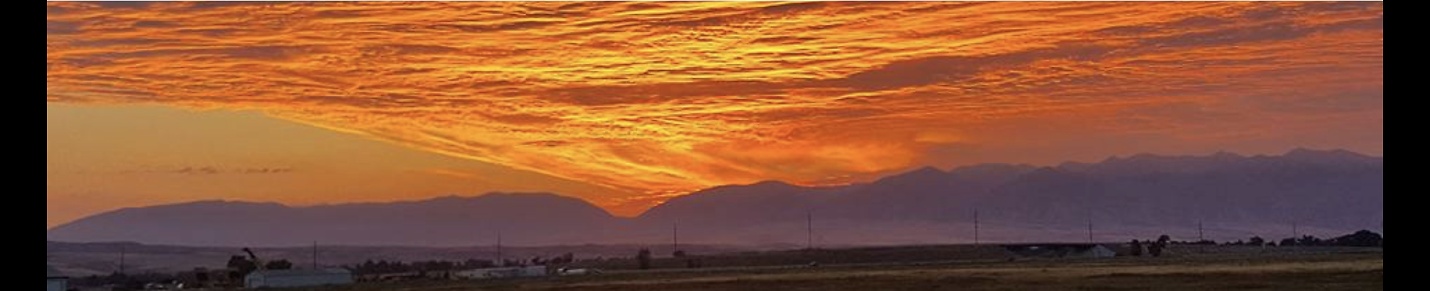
x: 201, y: 275
x: 239, y: 267
x: 279, y: 265
x: 1256, y: 241
x: 1364, y: 238
x: 567, y: 258
x: 1309, y: 241
x: 644, y: 258
x: 1136, y: 248
x: 479, y: 264
x: 1155, y: 249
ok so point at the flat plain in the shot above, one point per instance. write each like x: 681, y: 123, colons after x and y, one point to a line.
x: 1331, y: 270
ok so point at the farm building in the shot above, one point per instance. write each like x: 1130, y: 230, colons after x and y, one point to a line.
x: 1061, y: 251
x: 54, y: 280
x: 501, y: 273
x: 297, y: 278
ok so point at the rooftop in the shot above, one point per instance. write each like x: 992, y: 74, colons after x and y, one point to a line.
x: 51, y: 272
x: 302, y: 273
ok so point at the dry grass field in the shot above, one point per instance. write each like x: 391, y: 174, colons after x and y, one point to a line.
x: 1353, y: 270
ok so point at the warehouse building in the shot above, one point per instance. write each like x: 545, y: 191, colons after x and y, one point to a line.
x: 297, y: 278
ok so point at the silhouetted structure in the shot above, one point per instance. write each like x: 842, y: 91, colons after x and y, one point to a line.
x: 1156, y: 248
x: 977, y: 228
x: 644, y: 258
x: 809, y: 230
x: 54, y: 280
x: 239, y: 267
x: 1364, y: 238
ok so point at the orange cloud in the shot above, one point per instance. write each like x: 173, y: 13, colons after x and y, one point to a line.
x: 664, y: 98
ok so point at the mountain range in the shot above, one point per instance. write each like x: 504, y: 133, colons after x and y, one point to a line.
x: 1221, y: 196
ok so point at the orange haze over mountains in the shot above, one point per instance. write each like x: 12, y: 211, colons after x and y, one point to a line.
x: 630, y: 104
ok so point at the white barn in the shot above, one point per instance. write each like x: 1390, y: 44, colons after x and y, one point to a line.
x: 54, y: 280
x: 297, y: 278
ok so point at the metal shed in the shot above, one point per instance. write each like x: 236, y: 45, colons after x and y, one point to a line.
x: 297, y: 278
x: 54, y: 280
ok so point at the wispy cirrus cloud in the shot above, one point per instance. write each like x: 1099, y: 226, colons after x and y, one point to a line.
x: 243, y: 171
x: 213, y: 171
x: 668, y: 97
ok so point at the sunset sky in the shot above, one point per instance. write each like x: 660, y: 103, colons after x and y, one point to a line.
x: 628, y: 104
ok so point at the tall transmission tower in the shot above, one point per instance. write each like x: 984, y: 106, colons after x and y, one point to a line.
x: 1201, y: 231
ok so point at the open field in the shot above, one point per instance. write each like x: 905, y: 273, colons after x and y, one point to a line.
x: 1342, y: 270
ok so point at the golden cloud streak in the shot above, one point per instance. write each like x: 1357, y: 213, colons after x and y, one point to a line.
x: 670, y: 97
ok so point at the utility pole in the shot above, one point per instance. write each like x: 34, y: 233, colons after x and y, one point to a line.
x: 675, y: 238
x: 1090, y: 238
x: 1201, y: 237
x: 123, y: 250
x: 809, y: 228
x: 977, y: 228
x: 1087, y: 206
x: 1295, y: 231
x: 315, y: 255
x: 501, y: 261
